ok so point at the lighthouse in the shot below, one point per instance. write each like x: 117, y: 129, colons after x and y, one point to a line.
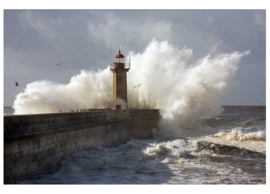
x: 119, y: 69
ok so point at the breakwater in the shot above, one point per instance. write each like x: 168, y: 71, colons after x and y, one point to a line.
x: 36, y: 144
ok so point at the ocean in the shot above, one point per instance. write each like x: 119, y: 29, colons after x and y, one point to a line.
x: 228, y: 149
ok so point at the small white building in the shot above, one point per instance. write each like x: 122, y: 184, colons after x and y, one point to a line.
x: 118, y: 104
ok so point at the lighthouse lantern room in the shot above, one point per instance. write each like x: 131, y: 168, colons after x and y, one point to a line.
x: 120, y: 69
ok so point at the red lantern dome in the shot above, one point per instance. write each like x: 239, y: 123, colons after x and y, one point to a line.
x: 119, y: 62
x: 119, y: 55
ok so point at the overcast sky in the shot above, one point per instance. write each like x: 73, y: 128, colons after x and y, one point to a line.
x: 35, y: 41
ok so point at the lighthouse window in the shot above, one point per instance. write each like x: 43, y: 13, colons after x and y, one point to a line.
x: 119, y: 60
x: 119, y: 78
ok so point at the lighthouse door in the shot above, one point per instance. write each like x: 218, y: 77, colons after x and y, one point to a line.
x: 118, y: 106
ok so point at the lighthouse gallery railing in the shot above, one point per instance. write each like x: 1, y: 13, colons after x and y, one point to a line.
x: 120, y: 66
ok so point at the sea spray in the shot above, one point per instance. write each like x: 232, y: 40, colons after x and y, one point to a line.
x: 172, y: 79
x: 86, y: 90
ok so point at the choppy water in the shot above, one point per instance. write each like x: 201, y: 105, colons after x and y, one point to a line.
x: 229, y: 149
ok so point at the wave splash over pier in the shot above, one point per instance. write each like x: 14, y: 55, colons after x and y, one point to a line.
x: 184, y: 87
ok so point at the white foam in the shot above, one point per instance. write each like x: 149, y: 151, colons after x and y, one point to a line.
x: 165, y: 150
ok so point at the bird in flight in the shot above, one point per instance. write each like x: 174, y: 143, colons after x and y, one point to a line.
x: 16, y: 83
x: 137, y: 86
x: 59, y: 63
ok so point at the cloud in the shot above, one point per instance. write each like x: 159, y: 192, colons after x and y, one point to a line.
x: 114, y: 30
x: 39, y: 24
x: 259, y: 20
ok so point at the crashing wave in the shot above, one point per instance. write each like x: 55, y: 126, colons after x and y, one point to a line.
x: 184, y: 87
x: 237, y: 134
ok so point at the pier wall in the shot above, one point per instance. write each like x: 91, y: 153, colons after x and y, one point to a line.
x: 36, y: 144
